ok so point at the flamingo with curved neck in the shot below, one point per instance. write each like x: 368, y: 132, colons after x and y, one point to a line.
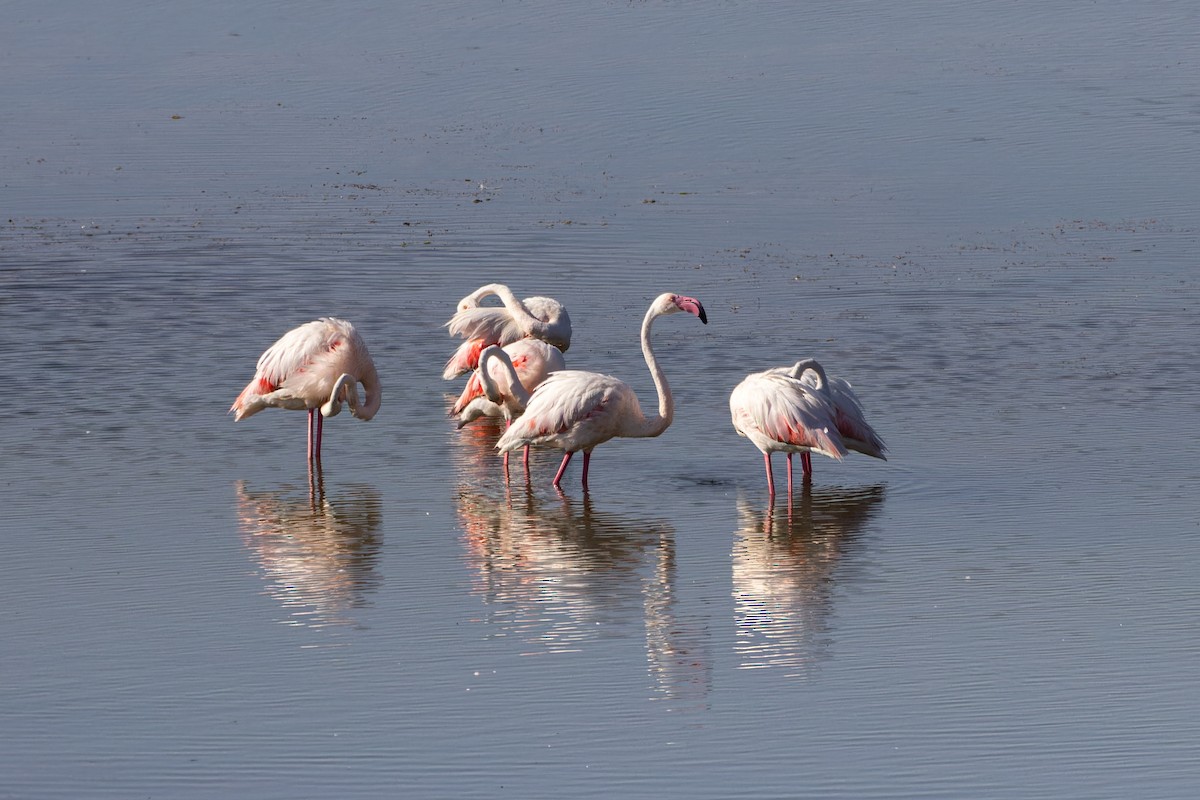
x: 315, y: 368
x: 576, y: 410
x: 800, y: 409
x: 534, y: 317
x: 501, y: 385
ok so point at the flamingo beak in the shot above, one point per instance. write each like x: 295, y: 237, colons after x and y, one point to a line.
x: 692, y: 306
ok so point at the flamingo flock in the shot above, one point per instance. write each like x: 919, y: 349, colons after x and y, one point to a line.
x: 514, y: 355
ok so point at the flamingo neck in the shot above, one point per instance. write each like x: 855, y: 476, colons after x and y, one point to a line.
x: 516, y: 389
x: 653, y: 426
x: 525, y: 319
x: 810, y: 364
x: 510, y: 301
x: 374, y: 392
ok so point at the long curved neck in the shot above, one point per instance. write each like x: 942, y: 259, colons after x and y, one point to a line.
x: 653, y: 426
x: 515, y: 306
x: 516, y: 389
x: 374, y: 392
x: 530, y: 324
x: 810, y: 365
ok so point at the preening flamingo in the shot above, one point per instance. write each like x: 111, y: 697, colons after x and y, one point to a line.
x: 798, y: 409
x: 776, y: 411
x: 316, y: 366
x: 501, y: 385
x: 532, y: 318
x: 576, y: 410
x: 511, y: 373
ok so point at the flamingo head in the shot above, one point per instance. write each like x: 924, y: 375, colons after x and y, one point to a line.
x: 671, y: 303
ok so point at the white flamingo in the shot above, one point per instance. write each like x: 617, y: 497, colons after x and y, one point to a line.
x: 777, y: 411
x: 575, y: 410
x: 316, y: 366
x: 532, y: 318
x: 501, y: 385
x: 799, y: 409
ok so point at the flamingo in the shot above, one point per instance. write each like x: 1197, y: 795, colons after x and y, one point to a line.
x: 777, y: 411
x: 576, y: 410
x: 316, y: 366
x: 500, y: 386
x: 534, y: 317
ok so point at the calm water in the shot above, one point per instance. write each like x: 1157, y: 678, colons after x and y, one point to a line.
x: 982, y: 214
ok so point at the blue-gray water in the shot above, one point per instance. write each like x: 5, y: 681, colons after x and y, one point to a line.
x: 982, y: 214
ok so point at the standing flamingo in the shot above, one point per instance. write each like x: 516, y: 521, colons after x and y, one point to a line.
x: 777, y: 411
x: 315, y: 366
x: 504, y: 379
x: 575, y: 410
x: 532, y: 318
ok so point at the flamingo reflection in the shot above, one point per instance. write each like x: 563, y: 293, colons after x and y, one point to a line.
x: 785, y: 561
x: 562, y: 574
x: 317, y: 553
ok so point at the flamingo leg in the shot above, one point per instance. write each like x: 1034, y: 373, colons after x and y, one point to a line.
x: 562, y: 468
x: 587, y: 459
x: 806, y: 462
x: 525, y: 460
x: 770, y: 477
x: 310, y: 433
x: 508, y: 424
x: 789, y: 460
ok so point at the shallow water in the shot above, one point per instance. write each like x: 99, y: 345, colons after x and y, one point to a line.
x: 982, y: 215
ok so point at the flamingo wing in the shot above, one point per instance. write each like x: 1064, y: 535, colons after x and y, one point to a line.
x: 778, y: 412
x: 850, y: 418
x: 572, y: 409
x: 298, y: 348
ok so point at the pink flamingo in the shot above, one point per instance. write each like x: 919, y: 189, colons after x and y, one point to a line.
x: 316, y: 366
x: 776, y: 411
x: 575, y: 410
x: 534, y: 317
x: 798, y: 409
x: 501, y: 385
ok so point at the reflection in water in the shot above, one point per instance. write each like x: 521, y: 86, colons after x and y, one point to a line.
x: 783, y: 572
x: 560, y: 574
x: 474, y: 451
x: 318, y: 554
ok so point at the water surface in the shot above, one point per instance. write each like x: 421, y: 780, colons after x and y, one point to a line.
x: 981, y: 215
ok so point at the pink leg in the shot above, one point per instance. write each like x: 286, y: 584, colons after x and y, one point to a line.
x: 790, y: 473
x: 507, y: 424
x: 587, y: 459
x: 806, y: 462
x: 562, y: 468
x: 770, y: 477
x: 525, y: 460
x: 310, y: 433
